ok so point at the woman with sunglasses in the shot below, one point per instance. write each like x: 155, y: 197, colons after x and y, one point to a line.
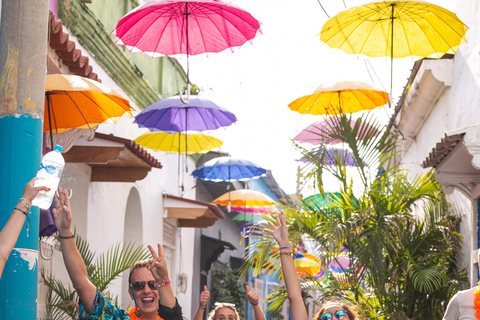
x: 227, y: 311
x: 292, y: 283
x: 149, y: 282
x: 335, y: 310
x: 11, y: 230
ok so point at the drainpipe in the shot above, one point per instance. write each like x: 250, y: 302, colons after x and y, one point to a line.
x: 23, y: 60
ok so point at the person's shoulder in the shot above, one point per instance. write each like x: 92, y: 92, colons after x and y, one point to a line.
x: 470, y: 291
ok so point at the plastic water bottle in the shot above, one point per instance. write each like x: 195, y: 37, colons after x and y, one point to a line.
x: 49, y: 175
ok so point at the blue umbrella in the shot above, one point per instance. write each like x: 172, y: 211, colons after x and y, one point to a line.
x: 172, y: 115
x: 227, y: 169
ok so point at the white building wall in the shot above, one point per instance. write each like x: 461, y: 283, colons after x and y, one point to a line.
x: 457, y: 107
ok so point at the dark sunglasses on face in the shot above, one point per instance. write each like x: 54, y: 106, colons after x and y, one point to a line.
x: 139, y: 285
x: 340, y: 314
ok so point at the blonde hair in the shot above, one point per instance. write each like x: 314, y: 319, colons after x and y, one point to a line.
x: 213, y: 314
x: 352, y: 315
x: 137, y: 265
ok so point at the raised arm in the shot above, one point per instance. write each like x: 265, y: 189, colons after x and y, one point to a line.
x: 71, y: 257
x: 11, y: 230
x: 204, y: 296
x: 294, y: 291
x: 253, y: 298
x: 159, y: 270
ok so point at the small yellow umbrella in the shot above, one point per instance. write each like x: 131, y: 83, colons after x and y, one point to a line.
x: 395, y: 29
x: 179, y: 142
x: 343, y: 96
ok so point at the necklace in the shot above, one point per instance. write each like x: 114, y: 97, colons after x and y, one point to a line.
x: 476, y: 302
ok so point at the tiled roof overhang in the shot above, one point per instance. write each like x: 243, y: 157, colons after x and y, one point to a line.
x: 66, y: 51
x: 191, y: 213
x: 124, y: 162
x: 441, y: 150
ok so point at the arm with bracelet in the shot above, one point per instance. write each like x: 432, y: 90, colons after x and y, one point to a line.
x: 11, y: 230
x: 254, y: 298
x: 74, y: 264
x: 294, y: 291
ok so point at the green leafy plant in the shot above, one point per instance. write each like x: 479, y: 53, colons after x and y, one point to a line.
x: 102, y: 270
x: 400, y: 234
x: 226, y: 287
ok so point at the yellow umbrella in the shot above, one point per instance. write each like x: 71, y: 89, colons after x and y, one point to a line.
x: 343, y: 96
x: 245, y: 198
x: 395, y: 29
x: 179, y: 142
x: 307, y: 265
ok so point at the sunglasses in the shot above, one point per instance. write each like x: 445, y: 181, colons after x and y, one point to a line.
x: 139, y: 285
x: 340, y: 314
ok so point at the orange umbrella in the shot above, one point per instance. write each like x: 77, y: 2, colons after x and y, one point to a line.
x: 245, y: 198
x: 75, y: 102
x: 342, y: 96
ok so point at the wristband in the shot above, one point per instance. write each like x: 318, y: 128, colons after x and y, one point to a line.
x: 69, y: 237
x: 163, y: 283
x: 286, y: 247
x: 256, y: 304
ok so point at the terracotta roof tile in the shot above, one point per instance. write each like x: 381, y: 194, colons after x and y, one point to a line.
x: 135, y: 147
x: 68, y: 54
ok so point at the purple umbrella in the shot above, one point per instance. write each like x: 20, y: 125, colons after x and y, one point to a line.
x: 172, y: 115
x: 345, y: 157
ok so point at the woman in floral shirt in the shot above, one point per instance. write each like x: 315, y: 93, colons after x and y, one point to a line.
x: 149, y: 282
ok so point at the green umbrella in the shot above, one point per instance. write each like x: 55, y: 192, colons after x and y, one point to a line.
x: 247, y: 217
x: 318, y: 201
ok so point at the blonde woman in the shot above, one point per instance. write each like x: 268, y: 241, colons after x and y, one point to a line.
x: 227, y: 311
x: 329, y: 311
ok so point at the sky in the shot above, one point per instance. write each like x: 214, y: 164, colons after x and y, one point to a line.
x: 258, y: 80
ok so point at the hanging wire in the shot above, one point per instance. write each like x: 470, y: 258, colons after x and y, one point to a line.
x: 368, y: 63
x: 324, y: 8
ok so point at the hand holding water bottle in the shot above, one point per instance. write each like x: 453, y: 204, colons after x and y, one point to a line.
x: 49, y: 175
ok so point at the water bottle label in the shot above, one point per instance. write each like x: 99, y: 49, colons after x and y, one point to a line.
x: 50, y: 169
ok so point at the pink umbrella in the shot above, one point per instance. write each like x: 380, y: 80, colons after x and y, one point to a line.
x: 191, y: 27
x: 314, y: 133
x: 170, y: 27
x: 256, y: 210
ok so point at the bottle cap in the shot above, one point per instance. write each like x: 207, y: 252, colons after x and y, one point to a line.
x: 58, y: 148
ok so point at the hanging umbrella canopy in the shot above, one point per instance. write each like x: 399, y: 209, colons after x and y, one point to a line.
x: 332, y: 156
x: 342, y: 96
x: 248, y: 217
x: 172, y: 115
x: 315, y: 132
x: 227, y: 169
x: 307, y: 264
x: 318, y: 201
x: 74, y: 102
x: 245, y: 198
x: 170, y: 27
x: 256, y: 210
x: 252, y: 227
x: 395, y: 29
x: 178, y: 142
